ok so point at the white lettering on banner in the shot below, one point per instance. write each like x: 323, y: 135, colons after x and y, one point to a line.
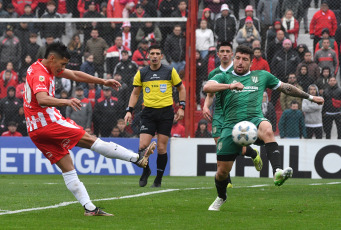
x: 129, y: 166
x: 5, y: 160
x: 40, y: 160
x: 104, y: 163
x: 89, y: 165
x: 26, y: 152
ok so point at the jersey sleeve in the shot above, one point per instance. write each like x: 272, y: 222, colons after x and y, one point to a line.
x: 137, y: 79
x: 219, y: 78
x: 272, y: 81
x: 40, y: 83
x: 176, y: 80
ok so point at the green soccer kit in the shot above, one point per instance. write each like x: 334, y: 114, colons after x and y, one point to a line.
x: 218, y: 117
x: 244, y: 105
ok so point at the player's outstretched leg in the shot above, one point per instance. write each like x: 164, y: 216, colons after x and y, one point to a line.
x: 281, y: 175
x: 254, y: 154
x: 97, y: 212
x: 144, y: 155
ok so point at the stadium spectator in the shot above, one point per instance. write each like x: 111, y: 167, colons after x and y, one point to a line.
x: 202, y: 130
x: 20, y: 120
x: 327, y: 57
x: 236, y: 6
x: 285, y: 61
x: 158, y: 114
x: 87, y: 27
x: 275, y: 45
x: 258, y: 63
x: 312, y: 114
x: 291, y: 124
x: 20, y: 88
x: 33, y: 28
x: 181, y: 12
x: 9, y: 106
x: 93, y: 92
x: 332, y: 43
x: 175, y: 46
x: 256, y: 44
x: 23, y: 68
x: 269, y: 111
x: 204, y: 39
x: 82, y: 117
x: 127, y: 38
x: 65, y: 9
x: 301, y: 49
x: 32, y: 47
x: 303, y: 79
x: 62, y: 85
x: 122, y: 95
x: 322, y: 81
x: 135, y: 26
x: 126, y: 69
x: 41, y: 8
x: 211, y: 60
x: 295, y: 6
x: 87, y: 67
x: 249, y: 13
x: 97, y: 47
x: 267, y: 12
x: 305, y: 8
x: 149, y: 32
x: 10, y: 48
x: 83, y: 6
x: 324, y: 18
x: 3, y: 14
x: 19, y: 5
x: 206, y: 15
x: 6, y: 82
x: 214, y: 6
x: 65, y: 96
x: 313, y: 68
x: 178, y: 130
x: 149, y: 7
x: 225, y: 26
x: 166, y: 9
x: 11, y: 11
x: 122, y: 127
x: 115, y: 132
x: 23, y: 34
x: 75, y: 48
x: 291, y: 26
x: 331, y: 109
x: 201, y: 68
x: 335, y: 6
x: 105, y: 113
x: 271, y: 33
x: 14, y: 75
x: 287, y: 99
x: 12, y: 130
x: 140, y: 56
x: 114, y: 55
x: 247, y: 34
x: 55, y: 28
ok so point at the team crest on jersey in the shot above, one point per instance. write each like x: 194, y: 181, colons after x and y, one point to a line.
x: 254, y: 79
x: 214, y: 129
x: 147, y: 89
x: 163, y: 88
x: 41, y: 78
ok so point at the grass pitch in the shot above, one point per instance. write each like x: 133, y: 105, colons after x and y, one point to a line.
x: 181, y: 203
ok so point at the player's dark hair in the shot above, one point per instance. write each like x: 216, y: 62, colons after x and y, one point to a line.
x: 245, y: 50
x: 57, y: 48
x: 224, y: 43
x: 156, y: 46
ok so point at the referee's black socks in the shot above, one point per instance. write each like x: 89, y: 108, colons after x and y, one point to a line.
x: 161, y: 163
x: 272, y: 153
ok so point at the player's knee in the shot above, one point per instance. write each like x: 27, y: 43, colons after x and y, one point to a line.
x: 222, y: 174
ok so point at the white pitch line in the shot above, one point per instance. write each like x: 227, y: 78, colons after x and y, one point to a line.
x: 6, y: 212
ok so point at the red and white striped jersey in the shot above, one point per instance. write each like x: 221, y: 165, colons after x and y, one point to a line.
x: 39, y: 79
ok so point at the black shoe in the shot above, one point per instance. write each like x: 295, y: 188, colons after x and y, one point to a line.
x: 144, y: 177
x: 97, y: 212
x: 306, y: 32
x: 144, y: 155
x: 156, y: 185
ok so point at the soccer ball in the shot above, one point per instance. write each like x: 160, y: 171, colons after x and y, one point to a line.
x: 244, y: 133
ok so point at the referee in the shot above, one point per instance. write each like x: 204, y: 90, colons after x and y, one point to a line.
x: 156, y: 81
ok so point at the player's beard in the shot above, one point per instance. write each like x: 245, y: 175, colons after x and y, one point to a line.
x: 241, y: 72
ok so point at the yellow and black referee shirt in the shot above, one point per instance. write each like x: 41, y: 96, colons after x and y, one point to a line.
x: 157, y: 85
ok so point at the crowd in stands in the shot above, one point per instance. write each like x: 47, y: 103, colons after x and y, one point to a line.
x: 118, y: 49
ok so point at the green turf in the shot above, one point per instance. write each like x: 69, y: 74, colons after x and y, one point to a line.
x: 295, y: 205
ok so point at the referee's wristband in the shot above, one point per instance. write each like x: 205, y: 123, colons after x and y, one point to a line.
x: 129, y: 109
x: 182, y: 105
x: 311, y: 98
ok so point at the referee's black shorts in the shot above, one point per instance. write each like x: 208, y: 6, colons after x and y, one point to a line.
x: 157, y: 120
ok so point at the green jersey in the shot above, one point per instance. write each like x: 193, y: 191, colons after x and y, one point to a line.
x: 245, y: 104
x: 218, y: 109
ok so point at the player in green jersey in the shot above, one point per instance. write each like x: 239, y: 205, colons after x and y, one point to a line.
x: 225, y: 54
x: 242, y: 93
